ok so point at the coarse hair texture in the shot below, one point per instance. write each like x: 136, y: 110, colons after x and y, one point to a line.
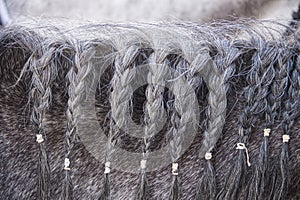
x: 245, y: 82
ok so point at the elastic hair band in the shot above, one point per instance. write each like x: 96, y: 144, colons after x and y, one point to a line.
x: 267, y: 132
x: 143, y: 164
x: 39, y: 138
x: 175, y: 169
x: 107, y: 168
x: 242, y: 146
x: 208, y: 156
x: 67, y: 164
x: 285, y: 138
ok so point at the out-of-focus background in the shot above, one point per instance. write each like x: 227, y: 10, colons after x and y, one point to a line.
x: 153, y: 10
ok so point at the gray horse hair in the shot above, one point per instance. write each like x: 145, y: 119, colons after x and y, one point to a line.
x: 245, y: 83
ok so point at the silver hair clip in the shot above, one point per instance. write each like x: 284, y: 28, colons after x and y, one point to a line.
x: 39, y: 138
x: 285, y: 138
x: 208, y: 156
x: 175, y: 169
x: 107, y: 168
x: 242, y: 146
x: 67, y: 164
x: 267, y: 132
x: 143, y: 164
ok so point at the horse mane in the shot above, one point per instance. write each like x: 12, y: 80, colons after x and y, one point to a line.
x: 205, y: 111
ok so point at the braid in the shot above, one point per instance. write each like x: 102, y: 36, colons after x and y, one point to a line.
x: 119, y: 99
x: 43, y: 75
x: 218, y: 86
x: 280, y: 84
x: 206, y: 186
x: 72, y: 80
x: 265, y: 56
x: 76, y: 76
x: 279, y: 89
x: 176, y: 136
x: 289, y: 115
x: 153, y: 110
x: 181, y: 118
x: 246, y: 120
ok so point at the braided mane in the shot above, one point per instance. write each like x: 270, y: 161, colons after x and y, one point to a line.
x: 150, y: 111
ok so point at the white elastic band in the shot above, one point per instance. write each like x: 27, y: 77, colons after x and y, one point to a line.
x: 107, y: 168
x: 208, y: 156
x: 175, y: 169
x: 39, y: 138
x: 143, y: 164
x: 242, y: 146
x: 267, y: 132
x: 285, y: 138
x: 67, y: 164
